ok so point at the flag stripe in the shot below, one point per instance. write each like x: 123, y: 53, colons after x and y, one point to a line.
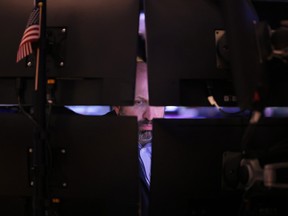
x: 31, y: 28
x: 30, y: 35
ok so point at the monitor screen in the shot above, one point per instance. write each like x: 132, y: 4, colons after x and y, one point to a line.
x: 16, y: 133
x: 91, y: 51
x: 92, y: 172
x: 88, y: 171
x: 188, y: 160
x: 181, y: 51
x: 258, y: 74
x: 190, y: 53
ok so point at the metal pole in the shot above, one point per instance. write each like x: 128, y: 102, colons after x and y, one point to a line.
x: 40, y: 148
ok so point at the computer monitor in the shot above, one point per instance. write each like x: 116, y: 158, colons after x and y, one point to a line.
x: 181, y: 51
x: 16, y: 133
x: 188, y: 160
x: 88, y: 171
x: 91, y: 51
x: 258, y: 76
x: 192, y: 53
x: 95, y: 165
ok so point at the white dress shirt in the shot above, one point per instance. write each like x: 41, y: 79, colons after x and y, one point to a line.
x: 145, y: 156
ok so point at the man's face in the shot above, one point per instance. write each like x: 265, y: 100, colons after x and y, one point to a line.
x: 141, y: 108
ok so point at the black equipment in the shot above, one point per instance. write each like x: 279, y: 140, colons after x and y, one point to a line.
x: 87, y: 159
x: 196, y: 167
x: 234, y: 52
x: 216, y: 48
x: 226, y: 54
x: 91, y: 47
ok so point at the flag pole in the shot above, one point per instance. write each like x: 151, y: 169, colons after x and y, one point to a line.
x: 40, y: 5
x: 40, y: 142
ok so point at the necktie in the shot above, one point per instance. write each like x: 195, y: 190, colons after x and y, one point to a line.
x: 145, y: 160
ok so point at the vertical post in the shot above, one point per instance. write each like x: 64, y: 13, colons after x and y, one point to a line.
x: 40, y: 148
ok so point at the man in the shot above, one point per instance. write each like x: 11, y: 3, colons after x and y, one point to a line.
x: 141, y: 108
x: 145, y: 114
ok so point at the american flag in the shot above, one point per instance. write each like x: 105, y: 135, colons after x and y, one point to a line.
x: 31, y: 34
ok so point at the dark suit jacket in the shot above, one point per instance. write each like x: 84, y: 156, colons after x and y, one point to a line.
x: 144, y: 187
